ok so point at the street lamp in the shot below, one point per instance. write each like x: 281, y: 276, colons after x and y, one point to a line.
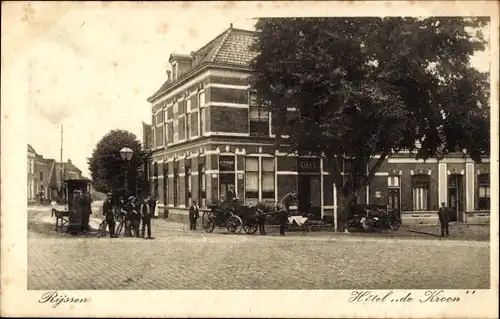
x: 126, y: 154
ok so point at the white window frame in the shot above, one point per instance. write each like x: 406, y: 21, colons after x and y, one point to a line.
x: 202, y: 129
x: 182, y: 117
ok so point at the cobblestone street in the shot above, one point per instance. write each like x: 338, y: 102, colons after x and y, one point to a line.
x: 180, y: 259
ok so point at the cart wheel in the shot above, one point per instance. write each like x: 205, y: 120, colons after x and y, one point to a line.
x: 234, y: 224
x: 395, y: 224
x: 250, y: 228
x: 208, y: 221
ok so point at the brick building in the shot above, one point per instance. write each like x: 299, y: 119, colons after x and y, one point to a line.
x: 208, y: 134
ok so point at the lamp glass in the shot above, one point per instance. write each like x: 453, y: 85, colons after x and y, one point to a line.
x: 126, y: 153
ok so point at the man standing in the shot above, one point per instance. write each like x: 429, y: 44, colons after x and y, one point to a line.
x: 146, y: 216
x: 231, y: 194
x: 54, y: 207
x: 444, y: 219
x: 107, y: 211
x: 194, y: 214
x: 286, y: 202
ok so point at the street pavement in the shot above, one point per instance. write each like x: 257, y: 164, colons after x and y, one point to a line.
x: 181, y: 259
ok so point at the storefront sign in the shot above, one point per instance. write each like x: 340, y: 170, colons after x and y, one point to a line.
x: 214, y: 175
x: 378, y: 194
x: 240, y: 176
x: 309, y: 165
x: 226, y: 163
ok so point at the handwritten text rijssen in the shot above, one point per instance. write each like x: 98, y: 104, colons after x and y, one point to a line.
x: 55, y: 298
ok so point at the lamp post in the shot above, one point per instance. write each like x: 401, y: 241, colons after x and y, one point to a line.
x: 126, y: 155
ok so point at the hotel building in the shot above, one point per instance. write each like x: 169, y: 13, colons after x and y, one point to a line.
x: 209, y: 134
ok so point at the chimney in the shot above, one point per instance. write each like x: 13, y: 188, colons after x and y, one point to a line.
x: 169, y: 76
x: 69, y: 161
x: 230, y: 25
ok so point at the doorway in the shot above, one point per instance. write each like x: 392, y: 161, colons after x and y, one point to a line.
x: 455, y: 200
x: 394, y: 204
x: 309, y: 195
x: 226, y: 180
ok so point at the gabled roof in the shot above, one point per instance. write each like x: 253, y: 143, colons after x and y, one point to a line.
x: 31, y: 149
x: 230, y: 48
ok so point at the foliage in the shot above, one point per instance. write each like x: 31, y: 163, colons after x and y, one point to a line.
x: 362, y: 87
x: 107, y: 167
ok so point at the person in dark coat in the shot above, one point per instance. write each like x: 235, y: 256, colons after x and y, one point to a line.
x: 146, y: 215
x: 107, y: 211
x: 86, y: 211
x: 287, y: 201
x: 444, y: 219
x: 231, y: 194
x: 194, y: 214
x: 261, y: 217
x: 133, y: 216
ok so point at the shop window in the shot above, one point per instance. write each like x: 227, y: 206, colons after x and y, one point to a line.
x: 420, y: 192
x: 268, y: 178
x: 187, y: 185
x: 202, y: 181
x: 176, y: 186
x: 252, y: 179
x: 165, y: 183
x: 483, y: 182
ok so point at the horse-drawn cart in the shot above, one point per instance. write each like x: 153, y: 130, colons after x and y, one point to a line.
x: 235, y: 217
x: 221, y: 214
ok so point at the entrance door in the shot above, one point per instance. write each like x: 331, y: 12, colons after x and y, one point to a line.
x: 393, y: 204
x: 225, y: 182
x: 304, y: 194
x: 455, y: 196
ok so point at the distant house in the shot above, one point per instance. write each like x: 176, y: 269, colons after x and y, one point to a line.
x: 44, y: 177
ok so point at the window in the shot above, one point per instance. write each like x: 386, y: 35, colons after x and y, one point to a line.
x: 188, y: 106
x: 202, y: 116
x: 252, y: 179
x: 193, y: 118
x: 174, y: 71
x: 175, y: 137
x: 176, y: 186
x: 202, y: 182
x: 187, y: 119
x: 175, y: 110
x: 259, y: 117
x: 483, y: 181
x: 187, y: 185
x: 393, y: 181
x: 268, y: 178
x: 182, y: 128
x: 41, y: 176
x: 165, y: 183
x: 393, y: 193
x: 159, y: 136
x: 155, y: 184
x: 420, y: 192
x: 159, y: 118
x: 201, y: 99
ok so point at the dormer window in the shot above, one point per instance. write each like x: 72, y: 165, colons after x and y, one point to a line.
x: 174, y: 71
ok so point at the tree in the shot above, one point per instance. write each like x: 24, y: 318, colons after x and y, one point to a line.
x: 363, y: 89
x: 107, y: 167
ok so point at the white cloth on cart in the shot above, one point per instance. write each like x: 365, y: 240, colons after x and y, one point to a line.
x: 157, y: 208
x: 299, y: 220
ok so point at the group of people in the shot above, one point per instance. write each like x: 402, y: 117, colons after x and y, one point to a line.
x: 133, y: 211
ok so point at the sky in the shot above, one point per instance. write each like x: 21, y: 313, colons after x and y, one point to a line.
x: 96, y: 65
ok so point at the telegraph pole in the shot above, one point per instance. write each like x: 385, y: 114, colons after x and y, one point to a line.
x: 62, y: 164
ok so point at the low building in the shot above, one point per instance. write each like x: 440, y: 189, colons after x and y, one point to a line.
x: 208, y: 134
